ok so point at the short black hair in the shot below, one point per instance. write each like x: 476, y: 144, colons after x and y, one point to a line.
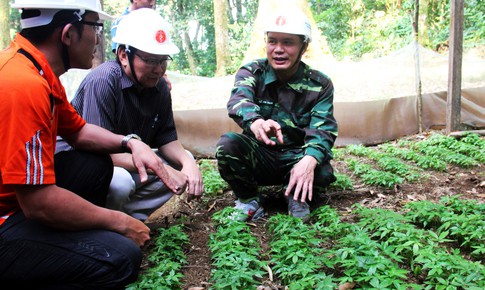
x: 39, y: 34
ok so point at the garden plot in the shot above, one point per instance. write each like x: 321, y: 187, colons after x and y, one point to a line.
x: 408, y: 214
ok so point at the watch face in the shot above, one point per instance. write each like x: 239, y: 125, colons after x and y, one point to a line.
x: 124, y: 142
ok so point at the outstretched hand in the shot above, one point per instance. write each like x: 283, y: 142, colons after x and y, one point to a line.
x: 263, y: 130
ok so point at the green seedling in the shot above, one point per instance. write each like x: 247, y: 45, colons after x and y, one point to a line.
x: 372, y: 176
x: 343, y: 182
x: 296, y: 254
x: 166, y: 261
x: 441, y: 267
x: 235, y: 253
x: 213, y: 182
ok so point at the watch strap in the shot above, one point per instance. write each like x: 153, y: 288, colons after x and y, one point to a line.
x: 126, y: 139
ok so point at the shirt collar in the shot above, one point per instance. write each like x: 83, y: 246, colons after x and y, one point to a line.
x: 295, y: 81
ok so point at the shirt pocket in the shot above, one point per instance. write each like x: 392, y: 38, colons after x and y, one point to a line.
x: 266, y: 109
x: 302, y: 120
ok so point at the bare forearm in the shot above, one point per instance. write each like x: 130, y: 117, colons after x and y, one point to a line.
x: 95, y: 138
x: 175, y: 154
x: 124, y: 160
x: 62, y: 209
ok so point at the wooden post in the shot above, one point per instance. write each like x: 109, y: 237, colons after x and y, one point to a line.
x: 417, y: 66
x: 453, y: 105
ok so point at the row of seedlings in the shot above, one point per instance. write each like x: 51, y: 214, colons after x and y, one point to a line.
x: 387, y: 162
x: 235, y: 253
x: 296, y: 254
x: 435, y: 265
x: 165, y: 261
x: 331, y: 254
x: 355, y: 259
x: 371, y: 176
x: 423, y: 161
x: 373, y: 253
x: 463, y: 221
x: 467, y: 152
x: 366, y: 172
x: 433, y: 153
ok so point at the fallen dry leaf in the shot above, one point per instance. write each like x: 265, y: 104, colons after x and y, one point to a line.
x: 270, y: 273
x: 345, y: 286
x: 212, y: 206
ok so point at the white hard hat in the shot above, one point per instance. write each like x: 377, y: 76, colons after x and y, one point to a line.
x: 48, y: 8
x: 146, y: 30
x: 291, y: 22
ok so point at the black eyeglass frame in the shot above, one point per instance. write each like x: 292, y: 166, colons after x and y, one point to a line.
x: 154, y: 62
x: 98, y: 27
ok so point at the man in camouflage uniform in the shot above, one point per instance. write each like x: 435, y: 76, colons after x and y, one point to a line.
x: 286, y: 112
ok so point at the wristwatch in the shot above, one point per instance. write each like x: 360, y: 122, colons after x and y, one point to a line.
x: 124, y: 142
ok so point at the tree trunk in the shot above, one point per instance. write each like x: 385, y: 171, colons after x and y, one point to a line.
x: 177, y: 10
x: 222, y: 36
x: 189, y: 52
x: 318, y: 50
x: 5, y: 27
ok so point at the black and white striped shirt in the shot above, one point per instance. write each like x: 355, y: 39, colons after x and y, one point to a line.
x: 108, y: 98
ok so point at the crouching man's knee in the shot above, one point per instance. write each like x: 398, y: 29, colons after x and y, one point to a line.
x: 121, y: 188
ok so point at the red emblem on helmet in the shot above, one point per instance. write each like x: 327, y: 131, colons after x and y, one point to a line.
x: 280, y: 21
x: 160, y: 36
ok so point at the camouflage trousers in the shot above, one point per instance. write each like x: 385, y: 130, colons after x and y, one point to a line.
x: 246, y: 164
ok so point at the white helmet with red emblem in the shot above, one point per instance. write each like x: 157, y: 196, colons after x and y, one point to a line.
x: 145, y: 30
x: 291, y: 22
x: 46, y: 9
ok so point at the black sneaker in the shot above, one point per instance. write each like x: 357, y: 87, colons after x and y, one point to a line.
x: 298, y: 209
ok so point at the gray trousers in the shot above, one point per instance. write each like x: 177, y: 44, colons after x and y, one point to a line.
x: 138, y: 199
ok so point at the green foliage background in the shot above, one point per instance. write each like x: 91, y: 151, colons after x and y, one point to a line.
x: 354, y: 29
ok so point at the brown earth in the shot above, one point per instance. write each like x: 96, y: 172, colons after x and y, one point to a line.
x: 469, y: 183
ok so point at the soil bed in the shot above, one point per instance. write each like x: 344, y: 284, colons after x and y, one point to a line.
x: 196, y: 215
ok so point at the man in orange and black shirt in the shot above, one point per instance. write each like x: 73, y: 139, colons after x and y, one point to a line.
x: 54, y: 231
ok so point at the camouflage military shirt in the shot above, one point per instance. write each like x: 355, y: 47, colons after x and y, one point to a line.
x: 303, y: 106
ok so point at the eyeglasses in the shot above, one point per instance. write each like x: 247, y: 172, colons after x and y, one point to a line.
x: 163, y: 62
x: 97, y: 27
